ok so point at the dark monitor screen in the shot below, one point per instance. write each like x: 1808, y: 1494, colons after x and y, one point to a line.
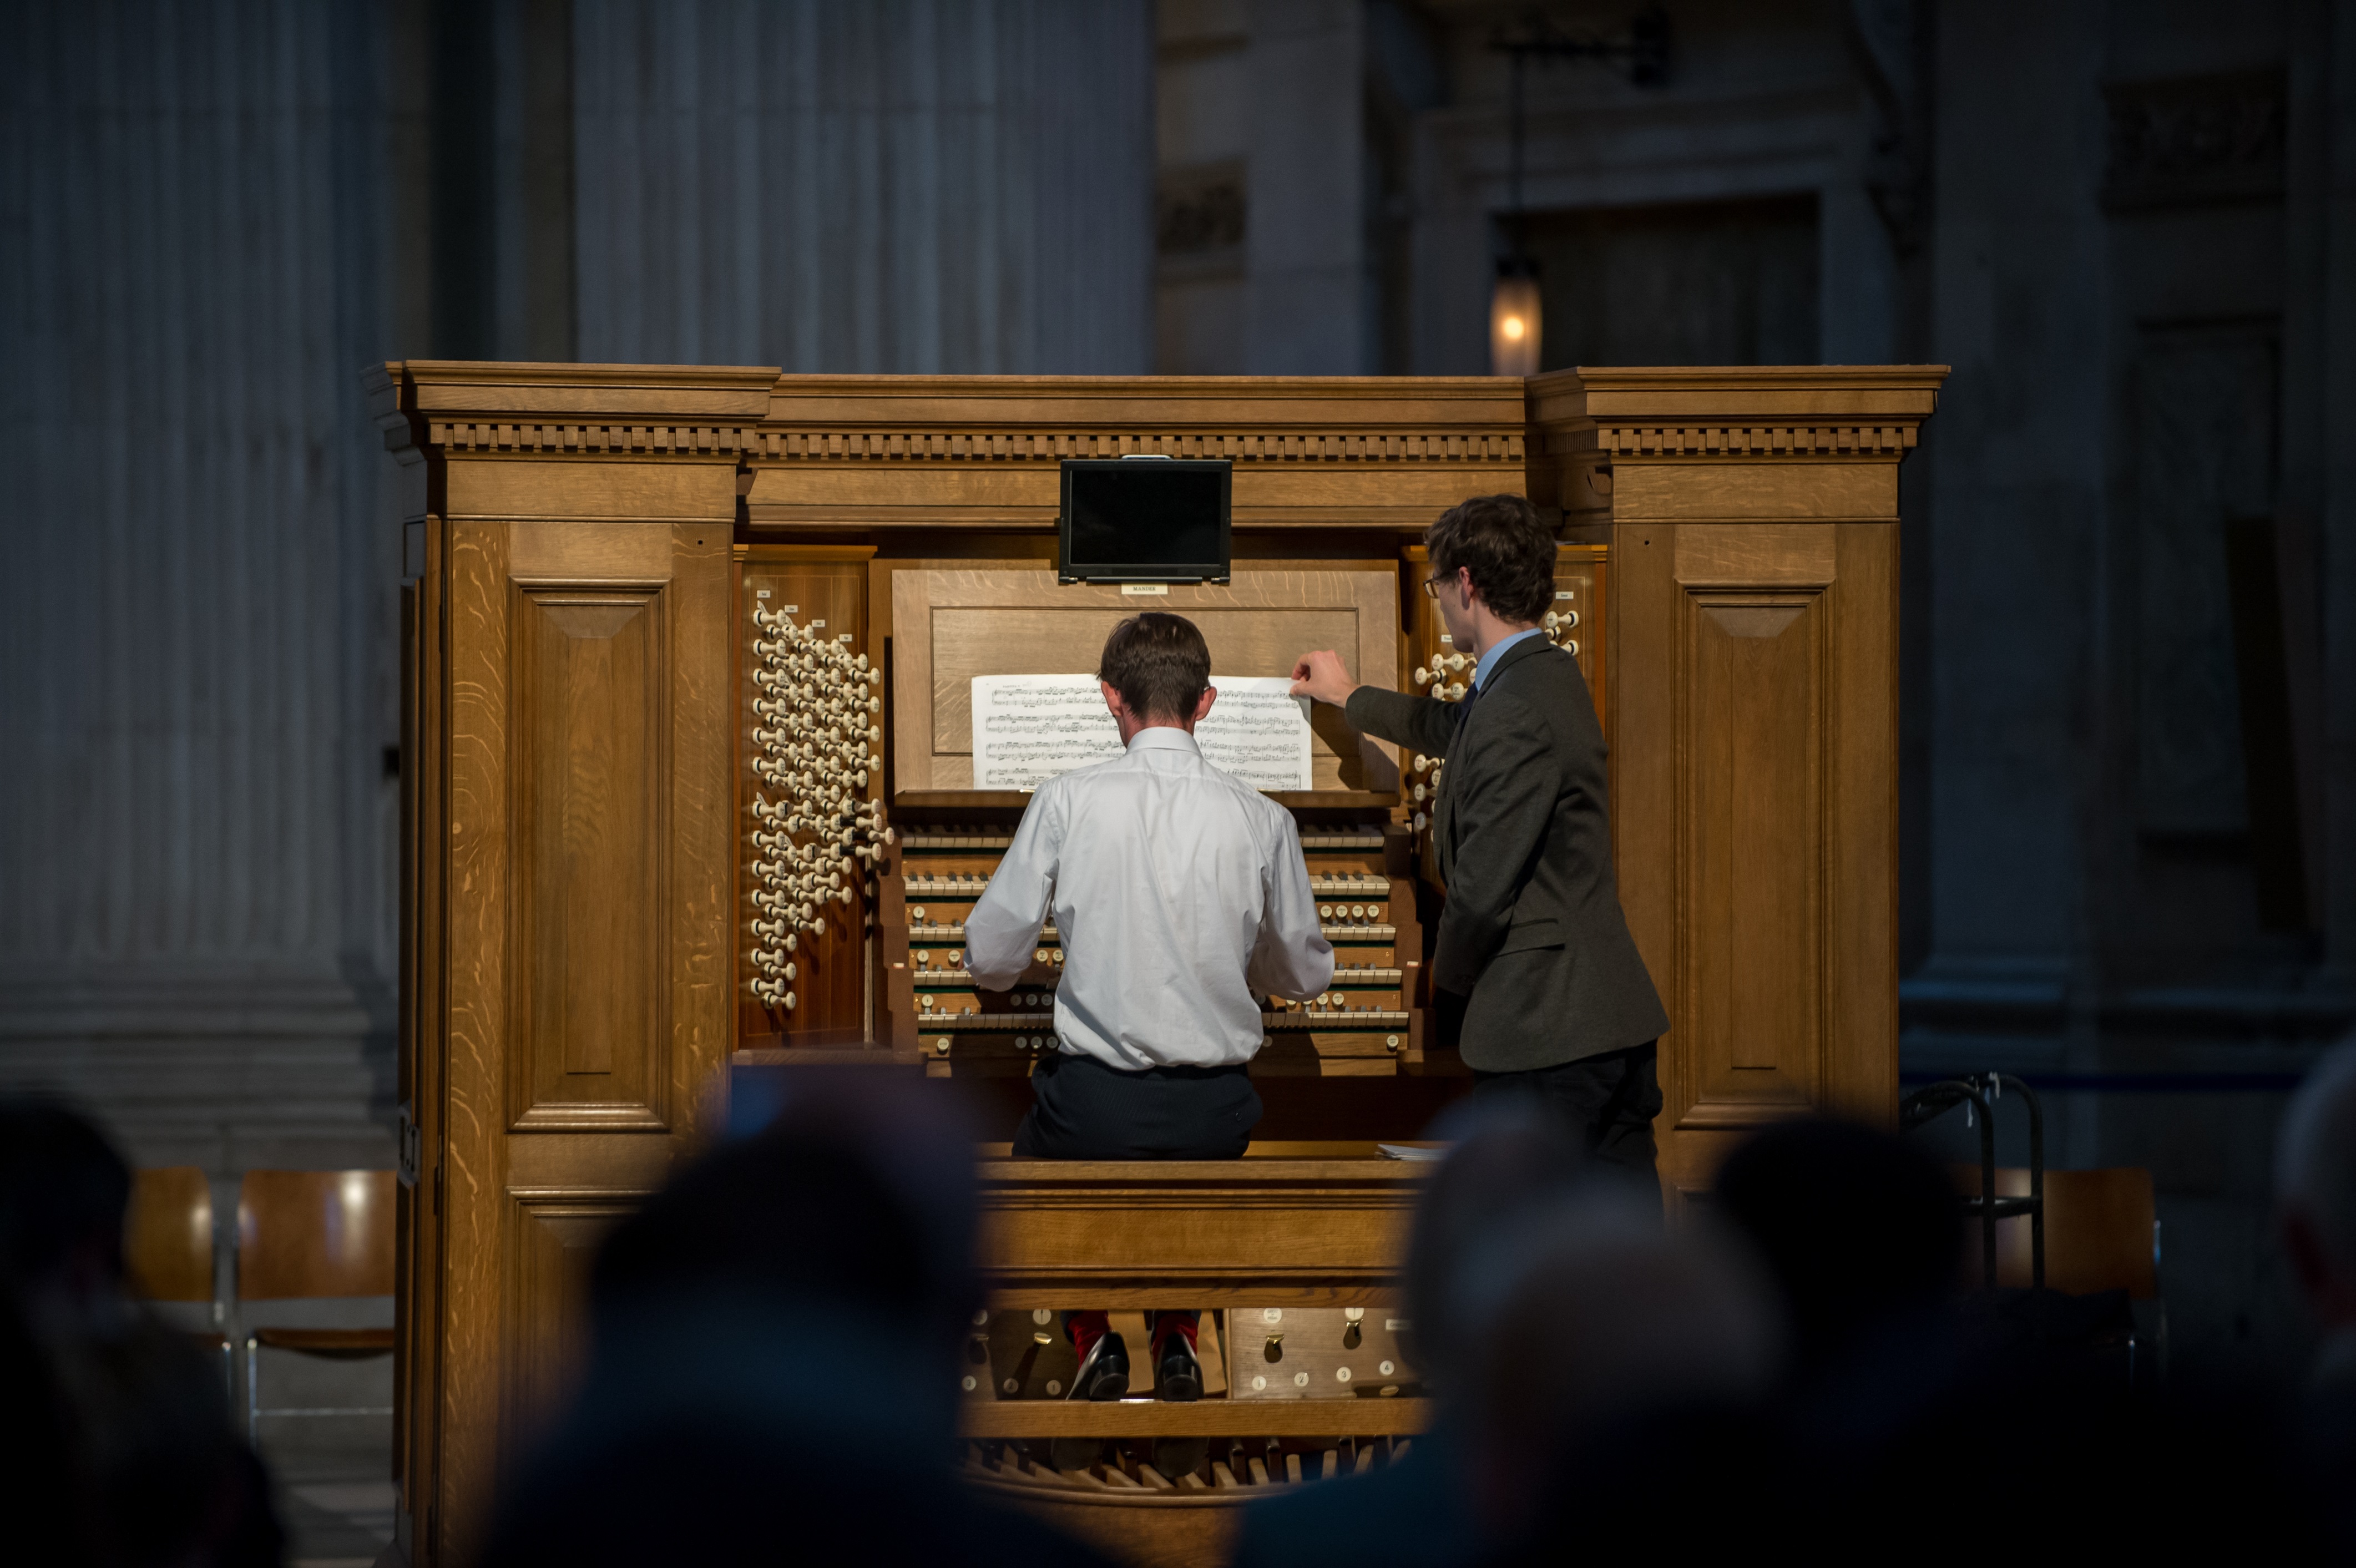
x: 1144, y: 520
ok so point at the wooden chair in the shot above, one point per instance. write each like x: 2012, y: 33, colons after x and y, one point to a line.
x: 2100, y: 1230
x: 167, y: 1249
x: 312, y: 1235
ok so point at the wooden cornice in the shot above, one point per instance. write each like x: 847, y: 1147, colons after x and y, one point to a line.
x: 1045, y: 419
x: 1483, y: 446
x: 766, y: 418
x: 1098, y: 402
x: 1815, y: 412
x: 553, y: 409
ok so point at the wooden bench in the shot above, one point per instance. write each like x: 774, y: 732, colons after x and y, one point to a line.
x: 1301, y: 1228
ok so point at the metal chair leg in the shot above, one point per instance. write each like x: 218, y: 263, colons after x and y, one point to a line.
x: 253, y: 1391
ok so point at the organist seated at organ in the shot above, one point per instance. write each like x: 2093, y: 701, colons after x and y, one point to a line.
x: 1182, y: 898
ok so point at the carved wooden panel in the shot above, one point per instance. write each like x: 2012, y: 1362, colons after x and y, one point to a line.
x: 949, y: 626
x: 1751, y: 830
x: 591, y: 682
x: 555, y: 1239
x: 1755, y: 817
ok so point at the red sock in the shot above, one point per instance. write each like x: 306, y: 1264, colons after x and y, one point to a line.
x: 1086, y: 1328
x: 1182, y: 1324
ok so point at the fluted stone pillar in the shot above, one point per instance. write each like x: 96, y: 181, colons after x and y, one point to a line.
x: 212, y: 214
x: 196, y: 630
x: 903, y: 185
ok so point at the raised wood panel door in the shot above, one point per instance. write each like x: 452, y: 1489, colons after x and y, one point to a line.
x: 1749, y: 850
x: 556, y: 1241
x: 592, y: 678
x: 1754, y: 750
x: 589, y: 898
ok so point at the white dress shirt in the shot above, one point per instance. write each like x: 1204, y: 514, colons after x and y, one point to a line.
x: 1178, y: 892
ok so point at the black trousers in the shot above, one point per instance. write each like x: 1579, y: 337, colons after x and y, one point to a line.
x: 1610, y: 1100
x: 1083, y: 1109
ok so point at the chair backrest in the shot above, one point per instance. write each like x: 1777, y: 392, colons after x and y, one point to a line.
x: 167, y: 1236
x: 2098, y: 1231
x: 315, y: 1232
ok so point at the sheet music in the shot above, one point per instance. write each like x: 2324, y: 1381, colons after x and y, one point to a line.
x: 1257, y: 731
x: 1029, y: 727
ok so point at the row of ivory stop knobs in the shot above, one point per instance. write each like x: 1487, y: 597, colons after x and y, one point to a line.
x: 1426, y: 788
x: 1448, y: 671
x: 816, y: 737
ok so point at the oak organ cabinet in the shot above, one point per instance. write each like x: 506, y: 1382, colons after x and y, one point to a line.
x: 689, y: 785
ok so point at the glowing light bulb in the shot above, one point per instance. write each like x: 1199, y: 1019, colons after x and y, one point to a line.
x: 1515, y: 320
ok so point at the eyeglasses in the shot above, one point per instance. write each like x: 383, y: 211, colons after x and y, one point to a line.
x: 1431, y: 584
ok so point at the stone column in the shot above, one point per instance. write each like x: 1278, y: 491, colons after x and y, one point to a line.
x: 1308, y: 310
x: 2021, y: 490
x: 196, y: 630
x: 909, y: 186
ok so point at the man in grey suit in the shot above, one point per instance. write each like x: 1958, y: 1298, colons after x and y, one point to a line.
x: 1534, y: 972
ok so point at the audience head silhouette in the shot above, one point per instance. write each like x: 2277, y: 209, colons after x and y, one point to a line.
x: 774, y: 1366
x: 2315, y: 1184
x: 1858, y: 1227
x: 1508, y: 1155
x: 118, y: 1427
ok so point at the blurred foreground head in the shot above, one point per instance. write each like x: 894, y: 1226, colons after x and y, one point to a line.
x: 773, y: 1371
x: 1613, y: 1353
x: 2315, y: 1185
x: 1858, y: 1227
x: 1509, y: 1156
x: 855, y: 1200
x: 63, y: 1192
x: 116, y: 1448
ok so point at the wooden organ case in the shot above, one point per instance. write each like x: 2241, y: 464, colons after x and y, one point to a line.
x: 688, y: 783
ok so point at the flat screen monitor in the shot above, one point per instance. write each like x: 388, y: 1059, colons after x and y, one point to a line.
x: 1143, y: 520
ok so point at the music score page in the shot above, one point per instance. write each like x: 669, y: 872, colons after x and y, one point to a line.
x: 1029, y: 727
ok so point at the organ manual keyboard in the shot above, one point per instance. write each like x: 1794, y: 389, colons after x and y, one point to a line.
x: 691, y: 787
x: 1367, y: 1023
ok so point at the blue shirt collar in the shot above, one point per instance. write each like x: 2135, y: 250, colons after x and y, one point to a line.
x: 1497, y: 651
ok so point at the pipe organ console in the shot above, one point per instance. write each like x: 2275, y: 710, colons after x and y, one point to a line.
x: 690, y: 789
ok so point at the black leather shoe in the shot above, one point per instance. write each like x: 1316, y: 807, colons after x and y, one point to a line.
x: 1104, y: 1374
x: 1178, y: 1378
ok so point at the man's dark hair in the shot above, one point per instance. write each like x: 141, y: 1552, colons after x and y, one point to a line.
x: 1159, y: 663
x: 1509, y: 550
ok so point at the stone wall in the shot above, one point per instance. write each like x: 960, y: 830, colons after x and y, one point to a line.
x: 913, y: 187
x: 213, y: 215
x: 197, y: 820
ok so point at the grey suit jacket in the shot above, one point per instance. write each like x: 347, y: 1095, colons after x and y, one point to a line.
x: 1532, y: 934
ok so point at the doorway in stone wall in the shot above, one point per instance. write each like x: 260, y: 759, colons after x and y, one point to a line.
x: 1714, y: 283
